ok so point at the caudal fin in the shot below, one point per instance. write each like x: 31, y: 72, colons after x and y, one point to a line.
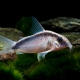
x: 5, y: 45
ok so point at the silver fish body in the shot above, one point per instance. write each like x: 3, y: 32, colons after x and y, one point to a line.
x: 35, y: 43
x: 41, y: 42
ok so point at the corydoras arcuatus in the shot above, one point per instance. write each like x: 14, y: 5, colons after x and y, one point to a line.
x: 41, y: 42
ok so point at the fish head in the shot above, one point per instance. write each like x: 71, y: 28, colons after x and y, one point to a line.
x: 61, y: 42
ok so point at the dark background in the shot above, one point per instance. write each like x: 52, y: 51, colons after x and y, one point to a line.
x: 9, y: 15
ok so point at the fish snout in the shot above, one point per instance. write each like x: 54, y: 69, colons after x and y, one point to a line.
x: 69, y: 45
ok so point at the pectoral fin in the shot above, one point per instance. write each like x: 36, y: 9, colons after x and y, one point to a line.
x: 19, y: 52
x: 41, y: 55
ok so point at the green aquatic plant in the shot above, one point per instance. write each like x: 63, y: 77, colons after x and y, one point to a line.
x: 24, y: 24
x: 58, y: 65
x: 1, y: 46
x: 24, y: 61
x: 9, y: 72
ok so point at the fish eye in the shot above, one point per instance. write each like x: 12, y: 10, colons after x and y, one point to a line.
x: 59, y: 39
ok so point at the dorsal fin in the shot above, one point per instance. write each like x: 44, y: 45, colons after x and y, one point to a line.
x: 36, y: 26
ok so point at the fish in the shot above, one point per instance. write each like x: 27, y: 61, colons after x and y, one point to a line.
x: 40, y: 41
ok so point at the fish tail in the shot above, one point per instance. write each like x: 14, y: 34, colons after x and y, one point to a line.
x: 6, y: 45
